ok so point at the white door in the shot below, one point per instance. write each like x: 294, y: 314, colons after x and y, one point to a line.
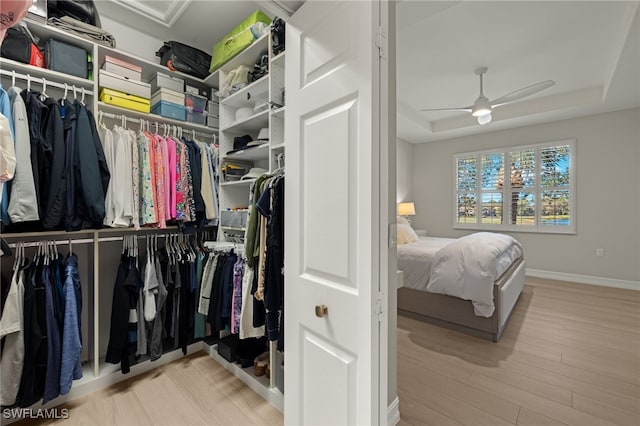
x: 333, y: 215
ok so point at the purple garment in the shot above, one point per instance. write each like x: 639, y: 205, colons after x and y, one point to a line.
x: 236, y: 301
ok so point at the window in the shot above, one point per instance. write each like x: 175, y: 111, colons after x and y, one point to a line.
x: 529, y: 188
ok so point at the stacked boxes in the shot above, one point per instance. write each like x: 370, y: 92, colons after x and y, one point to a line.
x: 168, y: 96
x: 121, y: 85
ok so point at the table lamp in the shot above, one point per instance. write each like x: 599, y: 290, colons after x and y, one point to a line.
x: 406, y: 209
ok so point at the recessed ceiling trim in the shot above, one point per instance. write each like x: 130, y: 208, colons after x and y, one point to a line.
x: 630, y: 16
x: 166, y: 18
x: 576, y: 98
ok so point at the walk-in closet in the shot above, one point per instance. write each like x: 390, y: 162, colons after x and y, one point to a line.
x: 152, y: 194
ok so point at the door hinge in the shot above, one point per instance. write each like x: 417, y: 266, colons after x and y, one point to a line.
x: 379, y: 304
x: 381, y: 40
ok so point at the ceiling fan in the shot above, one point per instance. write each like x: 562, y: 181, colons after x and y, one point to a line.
x: 483, y: 107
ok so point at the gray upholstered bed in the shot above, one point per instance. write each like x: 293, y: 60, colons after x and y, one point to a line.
x: 450, y: 311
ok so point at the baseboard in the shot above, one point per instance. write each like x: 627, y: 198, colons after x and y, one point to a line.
x: 584, y: 279
x: 393, y: 412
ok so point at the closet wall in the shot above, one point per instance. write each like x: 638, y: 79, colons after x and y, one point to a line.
x: 404, y: 171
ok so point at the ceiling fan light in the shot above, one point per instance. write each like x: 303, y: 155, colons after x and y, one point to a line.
x: 481, y: 106
x: 484, y: 119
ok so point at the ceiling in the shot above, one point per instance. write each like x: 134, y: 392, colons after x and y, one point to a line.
x: 590, y: 49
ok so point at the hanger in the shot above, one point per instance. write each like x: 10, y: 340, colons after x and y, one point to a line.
x: 82, y: 100
x: 28, y: 83
x: 70, y: 248
x: 74, y: 92
x: 44, y: 95
x: 66, y: 90
x: 13, y: 78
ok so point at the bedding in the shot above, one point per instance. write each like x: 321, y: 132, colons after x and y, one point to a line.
x: 466, y: 267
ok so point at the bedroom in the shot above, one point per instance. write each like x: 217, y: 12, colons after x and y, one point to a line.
x: 590, y: 50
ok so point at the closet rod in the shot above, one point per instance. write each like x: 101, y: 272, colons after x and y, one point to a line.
x: 44, y: 81
x: 61, y: 242
x: 157, y: 125
x: 86, y: 240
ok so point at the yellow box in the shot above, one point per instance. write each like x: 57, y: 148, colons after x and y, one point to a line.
x: 136, y: 103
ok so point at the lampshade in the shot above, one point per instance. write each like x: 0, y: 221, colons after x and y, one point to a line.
x: 484, y: 119
x: 406, y: 209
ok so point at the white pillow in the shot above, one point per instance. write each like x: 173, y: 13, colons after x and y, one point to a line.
x: 406, y: 234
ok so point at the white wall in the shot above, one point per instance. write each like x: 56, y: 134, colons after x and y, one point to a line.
x: 608, y: 193
x: 404, y: 173
x: 131, y: 40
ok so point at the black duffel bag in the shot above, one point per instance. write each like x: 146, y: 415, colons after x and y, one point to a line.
x: 81, y: 10
x: 180, y: 57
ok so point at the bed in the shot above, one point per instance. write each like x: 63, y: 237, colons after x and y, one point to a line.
x: 470, y: 284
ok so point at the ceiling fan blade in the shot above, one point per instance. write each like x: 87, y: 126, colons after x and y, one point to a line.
x: 468, y: 109
x: 522, y: 93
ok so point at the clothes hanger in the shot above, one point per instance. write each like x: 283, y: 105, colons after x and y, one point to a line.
x: 28, y: 83
x: 13, y: 78
x: 66, y: 91
x: 82, y: 100
x: 74, y: 92
x: 70, y: 248
x: 44, y: 95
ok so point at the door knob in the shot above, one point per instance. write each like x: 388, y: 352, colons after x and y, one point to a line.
x: 321, y: 311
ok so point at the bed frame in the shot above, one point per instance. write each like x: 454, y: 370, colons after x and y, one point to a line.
x: 457, y: 314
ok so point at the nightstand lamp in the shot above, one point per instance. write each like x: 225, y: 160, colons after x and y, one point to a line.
x: 406, y: 209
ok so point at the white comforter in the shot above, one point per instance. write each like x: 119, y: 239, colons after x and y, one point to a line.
x: 468, y: 267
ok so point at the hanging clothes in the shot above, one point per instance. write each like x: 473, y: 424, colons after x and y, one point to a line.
x: 123, y: 314
x: 12, y: 326
x: 7, y: 153
x: 70, y: 367
x: 23, y: 202
x: 54, y: 207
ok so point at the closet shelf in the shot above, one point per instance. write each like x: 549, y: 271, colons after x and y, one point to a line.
x: 45, y: 32
x: 233, y: 228
x: 279, y: 59
x: 246, y: 182
x: 149, y: 68
x: 154, y: 118
x: 250, y: 125
x: 258, y: 153
x: 248, y: 56
x: 278, y: 147
x: 278, y: 112
x: 89, y: 232
x: 50, y: 75
x: 248, y: 95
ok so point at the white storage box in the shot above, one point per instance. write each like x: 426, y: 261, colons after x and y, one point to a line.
x: 213, y: 107
x: 213, y: 121
x: 122, y: 68
x: 124, y: 84
x: 168, y: 82
x: 163, y: 94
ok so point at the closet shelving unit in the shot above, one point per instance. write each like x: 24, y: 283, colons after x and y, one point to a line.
x: 235, y: 194
x: 98, y: 250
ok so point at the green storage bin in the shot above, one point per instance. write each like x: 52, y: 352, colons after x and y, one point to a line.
x: 237, y: 40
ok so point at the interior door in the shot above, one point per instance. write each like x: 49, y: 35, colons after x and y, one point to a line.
x: 333, y: 228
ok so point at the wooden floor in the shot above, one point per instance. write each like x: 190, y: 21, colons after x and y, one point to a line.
x: 570, y: 355
x: 195, y: 390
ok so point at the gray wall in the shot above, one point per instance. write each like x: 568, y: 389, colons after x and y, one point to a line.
x: 608, y: 188
x: 404, y: 173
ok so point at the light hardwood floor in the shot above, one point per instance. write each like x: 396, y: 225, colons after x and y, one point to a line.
x: 569, y: 355
x: 195, y: 390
